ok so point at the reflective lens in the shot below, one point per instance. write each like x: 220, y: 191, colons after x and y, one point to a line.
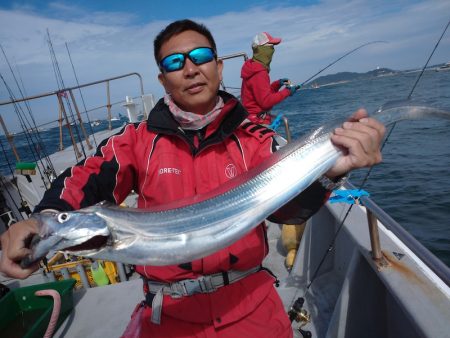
x: 198, y: 56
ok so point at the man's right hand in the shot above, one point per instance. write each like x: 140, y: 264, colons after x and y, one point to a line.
x: 285, y: 82
x: 293, y: 89
x: 14, y: 248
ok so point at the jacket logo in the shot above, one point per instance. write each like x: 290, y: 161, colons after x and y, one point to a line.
x: 230, y: 171
x: 175, y: 171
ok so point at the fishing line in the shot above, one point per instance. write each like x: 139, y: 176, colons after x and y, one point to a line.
x: 23, y: 120
x: 37, y: 136
x: 426, y: 63
x: 340, y: 58
x: 81, y: 94
x: 331, y: 246
x: 60, y: 83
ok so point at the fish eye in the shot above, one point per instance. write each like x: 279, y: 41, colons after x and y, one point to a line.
x: 63, y: 217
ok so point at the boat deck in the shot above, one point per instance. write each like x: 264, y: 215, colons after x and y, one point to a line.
x: 105, y: 311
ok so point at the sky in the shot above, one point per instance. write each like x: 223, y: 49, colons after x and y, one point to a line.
x: 111, y: 38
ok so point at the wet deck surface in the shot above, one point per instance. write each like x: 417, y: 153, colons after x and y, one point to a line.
x: 102, y: 311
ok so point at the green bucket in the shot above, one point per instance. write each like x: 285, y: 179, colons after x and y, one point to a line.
x: 24, y: 315
x: 25, y: 166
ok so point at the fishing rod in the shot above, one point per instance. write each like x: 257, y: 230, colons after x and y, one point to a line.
x: 426, y: 63
x: 81, y: 95
x: 274, y: 126
x: 340, y: 58
x: 60, y: 83
x: 34, y: 139
x: 333, y: 241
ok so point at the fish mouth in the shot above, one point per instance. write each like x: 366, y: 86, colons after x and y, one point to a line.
x: 94, y: 243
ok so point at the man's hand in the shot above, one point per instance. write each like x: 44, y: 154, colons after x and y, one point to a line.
x: 284, y: 82
x: 360, y: 139
x: 14, y: 248
x: 293, y: 89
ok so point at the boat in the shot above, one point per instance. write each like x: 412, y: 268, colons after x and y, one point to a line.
x: 357, y: 272
x: 444, y: 67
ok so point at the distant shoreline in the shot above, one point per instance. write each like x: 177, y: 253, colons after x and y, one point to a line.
x: 346, y: 77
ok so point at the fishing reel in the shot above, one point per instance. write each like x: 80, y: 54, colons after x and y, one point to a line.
x: 300, y: 315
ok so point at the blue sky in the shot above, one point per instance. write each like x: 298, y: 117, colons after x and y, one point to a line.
x: 109, y: 38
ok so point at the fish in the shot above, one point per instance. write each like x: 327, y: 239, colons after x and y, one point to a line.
x: 196, y: 227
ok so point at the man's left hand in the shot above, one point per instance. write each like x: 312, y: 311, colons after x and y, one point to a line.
x: 360, y: 139
x: 284, y: 82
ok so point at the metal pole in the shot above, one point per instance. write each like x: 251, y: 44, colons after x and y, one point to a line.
x: 60, y: 120
x: 65, y: 273
x: 122, y: 274
x: 83, y: 276
x: 108, y: 105
x: 374, y: 235
x: 10, y: 138
x: 286, y: 128
x: 80, y: 120
x: 75, y: 147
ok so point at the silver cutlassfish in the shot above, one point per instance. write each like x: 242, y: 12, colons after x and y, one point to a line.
x: 205, y: 223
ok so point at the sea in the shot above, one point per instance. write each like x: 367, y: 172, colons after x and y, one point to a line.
x: 412, y: 184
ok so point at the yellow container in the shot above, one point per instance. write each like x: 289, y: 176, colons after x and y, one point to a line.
x: 57, y: 263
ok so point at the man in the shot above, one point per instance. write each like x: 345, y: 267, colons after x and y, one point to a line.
x: 197, y: 131
x: 258, y: 95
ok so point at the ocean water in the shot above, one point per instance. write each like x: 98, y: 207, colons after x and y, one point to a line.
x: 412, y: 184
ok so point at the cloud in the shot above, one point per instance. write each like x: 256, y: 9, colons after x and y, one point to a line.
x: 104, y: 44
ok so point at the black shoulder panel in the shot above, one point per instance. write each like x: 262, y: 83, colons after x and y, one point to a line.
x: 258, y: 131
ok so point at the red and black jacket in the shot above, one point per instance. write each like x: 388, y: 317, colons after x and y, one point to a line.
x: 162, y: 163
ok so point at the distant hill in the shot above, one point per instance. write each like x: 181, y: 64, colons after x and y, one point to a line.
x: 350, y: 76
x: 343, y: 77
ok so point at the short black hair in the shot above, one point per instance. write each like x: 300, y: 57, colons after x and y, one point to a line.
x: 176, y: 28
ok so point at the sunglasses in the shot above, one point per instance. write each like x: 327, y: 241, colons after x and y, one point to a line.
x: 176, y: 61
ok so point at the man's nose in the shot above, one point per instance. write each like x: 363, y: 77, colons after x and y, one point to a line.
x: 190, y: 69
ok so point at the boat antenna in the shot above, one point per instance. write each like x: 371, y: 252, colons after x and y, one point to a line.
x: 81, y: 94
x: 333, y: 241
x: 340, y: 58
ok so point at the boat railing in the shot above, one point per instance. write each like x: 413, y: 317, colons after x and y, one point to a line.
x: 60, y: 91
x: 67, y: 93
x: 375, y: 213
x: 228, y: 57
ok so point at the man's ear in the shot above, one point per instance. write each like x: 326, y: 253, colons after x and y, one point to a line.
x: 220, y: 68
x: 162, y: 80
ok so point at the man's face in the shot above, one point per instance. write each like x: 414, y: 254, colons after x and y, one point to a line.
x: 193, y: 88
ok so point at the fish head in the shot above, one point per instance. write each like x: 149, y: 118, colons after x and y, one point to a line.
x: 78, y: 232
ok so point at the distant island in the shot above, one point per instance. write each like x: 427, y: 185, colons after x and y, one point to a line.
x: 344, y: 77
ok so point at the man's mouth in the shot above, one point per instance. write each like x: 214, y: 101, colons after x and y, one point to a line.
x: 195, y: 88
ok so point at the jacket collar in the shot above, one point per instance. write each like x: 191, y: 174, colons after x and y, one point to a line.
x: 161, y: 120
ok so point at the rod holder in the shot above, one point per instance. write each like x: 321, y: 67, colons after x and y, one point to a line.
x: 374, y: 235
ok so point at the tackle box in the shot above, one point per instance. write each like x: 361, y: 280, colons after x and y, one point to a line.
x: 24, y: 315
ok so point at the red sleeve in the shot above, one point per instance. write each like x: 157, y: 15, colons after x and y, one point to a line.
x: 108, y: 175
x: 264, y: 95
x: 275, y: 86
